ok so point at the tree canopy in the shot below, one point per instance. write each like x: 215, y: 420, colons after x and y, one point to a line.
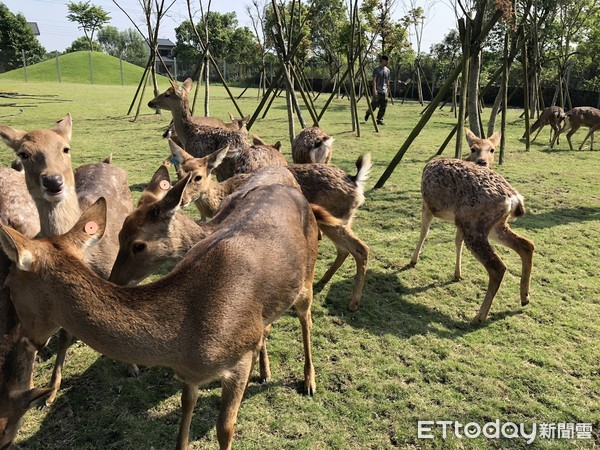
x: 89, y: 17
x: 128, y: 44
x: 16, y: 36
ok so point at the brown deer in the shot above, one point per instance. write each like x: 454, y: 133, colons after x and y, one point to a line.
x: 322, y: 184
x: 312, y: 145
x: 17, y: 394
x: 480, y: 202
x: 481, y: 151
x: 586, y: 116
x: 60, y: 195
x: 553, y: 116
x: 201, y: 140
x: 211, y: 318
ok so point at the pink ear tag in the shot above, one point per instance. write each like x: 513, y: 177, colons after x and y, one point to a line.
x: 91, y: 227
x: 165, y: 185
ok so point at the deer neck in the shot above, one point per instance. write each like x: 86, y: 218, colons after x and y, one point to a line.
x: 182, y: 119
x: 59, y: 217
x: 210, y: 200
x: 17, y: 367
x: 186, y: 233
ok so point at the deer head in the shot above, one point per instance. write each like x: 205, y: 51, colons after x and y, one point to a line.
x: 482, y: 150
x: 46, y: 159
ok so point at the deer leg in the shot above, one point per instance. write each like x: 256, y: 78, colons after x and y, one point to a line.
x: 458, y: 240
x: 133, y: 370
x: 263, y: 362
x: 524, y: 248
x: 339, y: 260
x: 231, y: 397
x: 426, y: 218
x: 302, y: 307
x: 590, y: 133
x: 64, y: 341
x: 483, y: 251
x: 347, y: 242
x: 569, y: 134
x: 538, y: 132
x: 189, y: 396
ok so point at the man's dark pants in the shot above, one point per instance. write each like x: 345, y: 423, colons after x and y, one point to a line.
x: 379, y: 102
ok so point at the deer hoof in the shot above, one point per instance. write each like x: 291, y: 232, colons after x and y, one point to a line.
x: 525, y: 300
x: 310, y: 390
x: 133, y: 370
x: 353, y: 306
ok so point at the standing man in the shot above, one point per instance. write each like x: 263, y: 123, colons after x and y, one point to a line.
x: 381, y: 89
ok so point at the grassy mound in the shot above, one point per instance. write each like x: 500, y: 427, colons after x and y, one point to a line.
x: 75, y: 68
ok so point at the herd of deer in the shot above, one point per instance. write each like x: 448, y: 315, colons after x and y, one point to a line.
x: 75, y: 251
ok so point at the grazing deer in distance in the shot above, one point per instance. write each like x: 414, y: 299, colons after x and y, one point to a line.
x: 61, y: 194
x: 312, y: 145
x: 212, y: 316
x: 553, y: 116
x: 322, y: 184
x: 480, y: 202
x: 586, y: 116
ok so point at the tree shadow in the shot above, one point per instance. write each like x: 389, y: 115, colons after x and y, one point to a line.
x: 102, y: 408
x: 561, y: 216
x: 386, y: 308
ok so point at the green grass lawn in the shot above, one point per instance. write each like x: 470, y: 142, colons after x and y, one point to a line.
x: 409, y: 352
x: 75, y: 68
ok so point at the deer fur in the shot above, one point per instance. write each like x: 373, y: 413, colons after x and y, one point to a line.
x: 200, y: 140
x: 17, y: 394
x: 324, y: 185
x: 312, y: 145
x: 480, y: 202
x: 60, y: 195
x: 481, y: 151
x: 212, y: 313
x: 586, y: 116
x: 553, y: 116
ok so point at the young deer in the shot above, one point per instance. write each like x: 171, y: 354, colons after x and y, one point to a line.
x: 553, y: 116
x: 480, y: 202
x: 312, y: 145
x: 586, y: 116
x: 212, y: 315
x: 482, y: 150
x: 60, y: 195
x: 322, y: 184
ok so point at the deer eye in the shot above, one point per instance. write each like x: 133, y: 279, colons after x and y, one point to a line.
x: 197, y: 178
x: 492, y: 150
x: 66, y: 150
x: 473, y: 149
x: 167, y: 95
x: 23, y: 155
x: 138, y: 247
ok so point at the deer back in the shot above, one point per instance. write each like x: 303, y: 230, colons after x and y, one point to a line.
x: 213, y: 306
x: 312, y: 145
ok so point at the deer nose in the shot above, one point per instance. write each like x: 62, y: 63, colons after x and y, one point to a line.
x: 482, y: 162
x: 52, y: 183
x: 150, y: 104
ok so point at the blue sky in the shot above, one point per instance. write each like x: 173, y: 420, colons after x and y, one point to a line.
x: 57, y: 32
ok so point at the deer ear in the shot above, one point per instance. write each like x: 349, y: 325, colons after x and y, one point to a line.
x: 169, y: 205
x: 188, y: 84
x: 11, y: 136
x: 233, y: 119
x: 64, y: 127
x: 157, y: 188
x: 246, y: 119
x: 16, y: 246
x: 178, y: 155
x: 89, y: 229
x: 256, y: 140
x: 496, y: 138
x: 216, y: 158
x: 278, y: 145
x: 471, y: 138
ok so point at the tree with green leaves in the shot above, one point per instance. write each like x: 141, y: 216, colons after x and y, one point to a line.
x: 128, y: 44
x: 89, y: 17
x: 81, y: 44
x: 16, y: 36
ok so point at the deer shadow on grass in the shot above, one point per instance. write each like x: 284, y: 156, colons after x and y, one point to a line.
x: 559, y: 216
x: 386, y: 308
x: 102, y: 408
